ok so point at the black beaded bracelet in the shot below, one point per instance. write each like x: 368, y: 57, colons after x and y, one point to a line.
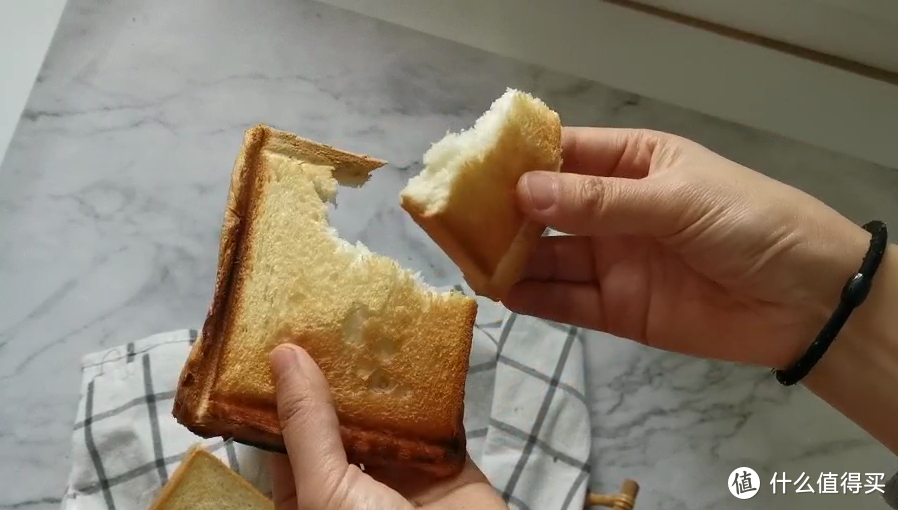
x: 853, y: 294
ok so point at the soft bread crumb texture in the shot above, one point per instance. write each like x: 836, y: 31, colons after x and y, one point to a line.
x: 449, y: 158
x: 202, y: 482
x: 394, y: 350
x: 464, y: 198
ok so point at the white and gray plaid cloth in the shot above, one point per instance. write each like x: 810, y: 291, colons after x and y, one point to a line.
x: 527, y: 419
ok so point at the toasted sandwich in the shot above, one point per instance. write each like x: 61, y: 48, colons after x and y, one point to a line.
x: 202, y: 482
x: 393, y: 349
x: 464, y: 198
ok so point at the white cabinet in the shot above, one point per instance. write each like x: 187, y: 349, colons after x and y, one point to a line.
x: 698, y: 69
x: 864, y: 31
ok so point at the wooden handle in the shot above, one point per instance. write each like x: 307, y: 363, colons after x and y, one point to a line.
x: 624, y: 500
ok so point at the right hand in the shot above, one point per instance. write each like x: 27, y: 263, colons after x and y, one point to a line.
x: 315, y: 473
x: 676, y: 247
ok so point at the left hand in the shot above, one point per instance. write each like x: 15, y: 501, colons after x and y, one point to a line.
x: 315, y: 474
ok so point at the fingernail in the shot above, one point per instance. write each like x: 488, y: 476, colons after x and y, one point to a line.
x: 283, y: 359
x: 541, y: 188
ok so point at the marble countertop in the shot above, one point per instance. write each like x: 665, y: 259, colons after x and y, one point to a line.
x: 112, y: 190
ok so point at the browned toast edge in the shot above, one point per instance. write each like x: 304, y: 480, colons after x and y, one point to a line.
x: 196, y: 451
x: 473, y: 272
x: 259, y: 425
x: 494, y: 286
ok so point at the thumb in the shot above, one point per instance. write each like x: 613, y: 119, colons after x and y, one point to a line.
x: 589, y: 205
x: 309, y: 423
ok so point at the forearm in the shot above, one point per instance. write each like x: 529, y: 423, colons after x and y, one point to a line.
x: 858, y: 375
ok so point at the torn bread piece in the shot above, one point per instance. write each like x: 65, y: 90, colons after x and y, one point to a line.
x: 393, y: 349
x: 203, y: 482
x: 465, y: 200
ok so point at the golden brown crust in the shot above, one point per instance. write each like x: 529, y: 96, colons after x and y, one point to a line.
x: 509, y: 269
x: 475, y: 272
x: 200, y: 369
x: 168, y: 489
x: 371, y: 448
x: 484, y: 282
x: 191, y: 458
x: 256, y: 423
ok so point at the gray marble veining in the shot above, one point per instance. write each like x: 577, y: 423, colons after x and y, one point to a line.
x: 112, y: 190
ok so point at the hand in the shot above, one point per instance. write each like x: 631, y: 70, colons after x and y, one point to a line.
x: 676, y: 247
x: 315, y: 475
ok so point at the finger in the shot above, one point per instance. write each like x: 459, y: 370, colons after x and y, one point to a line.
x: 569, y: 303
x: 609, y: 152
x: 564, y: 258
x: 590, y: 206
x: 283, y: 487
x: 308, y: 420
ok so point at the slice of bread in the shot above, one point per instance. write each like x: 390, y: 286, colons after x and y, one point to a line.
x: 202, y: 482
x: 464, y: 199
x: 393, y: 349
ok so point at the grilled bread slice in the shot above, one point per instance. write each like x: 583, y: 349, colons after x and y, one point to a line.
x: 393, y: 349
x: 464, y: 198
x: 202, y: 482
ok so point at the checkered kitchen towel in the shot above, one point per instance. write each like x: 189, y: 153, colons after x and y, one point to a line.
x: 527, y: 419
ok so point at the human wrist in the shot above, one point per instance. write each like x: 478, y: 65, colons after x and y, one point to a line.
x: 857, y: 374
x: 874, y: 324
x: 831, y: 319
x: 830, y: 263
x: 873, y: 321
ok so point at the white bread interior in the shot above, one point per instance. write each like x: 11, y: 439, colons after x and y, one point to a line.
x: 306, y: 278
x: 446, y: 159
x: 394, y: 349
x: 203, y: 482
x: 464, y: 197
